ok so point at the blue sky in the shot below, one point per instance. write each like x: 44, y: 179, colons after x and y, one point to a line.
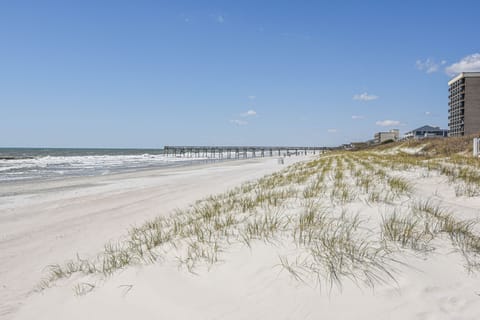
x: 154, y: 73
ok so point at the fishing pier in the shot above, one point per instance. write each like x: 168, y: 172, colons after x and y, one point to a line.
x: 232, y: 152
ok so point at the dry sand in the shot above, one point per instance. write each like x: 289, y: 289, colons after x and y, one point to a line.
x: 42, y: 223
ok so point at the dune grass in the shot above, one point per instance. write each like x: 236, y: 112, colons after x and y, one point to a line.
x: 409, y: 231
x: 306, y: 205
x: 460, y: 232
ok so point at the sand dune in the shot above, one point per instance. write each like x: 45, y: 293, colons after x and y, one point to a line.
x: 347, y: 236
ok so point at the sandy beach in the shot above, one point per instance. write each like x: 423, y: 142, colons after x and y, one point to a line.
x: 342, y: 236
x: 46, y: 222
x: 239, y: 160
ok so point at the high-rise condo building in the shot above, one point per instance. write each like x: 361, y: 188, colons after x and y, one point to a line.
x: 464, y: 104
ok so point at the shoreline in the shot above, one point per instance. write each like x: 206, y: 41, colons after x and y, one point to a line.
x: 72, y: 180
x: 12, y: 189
x: 113, y: 170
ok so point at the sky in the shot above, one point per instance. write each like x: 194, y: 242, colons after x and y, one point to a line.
x: 144, y: 74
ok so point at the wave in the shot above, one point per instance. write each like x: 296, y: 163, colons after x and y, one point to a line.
x: 58, y: 166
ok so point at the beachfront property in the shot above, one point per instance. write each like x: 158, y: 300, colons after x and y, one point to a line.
x: 426, y: 132
x: 464, y: 104
x: 380, y: 137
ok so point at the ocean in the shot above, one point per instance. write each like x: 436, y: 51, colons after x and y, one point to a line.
x: 21, y: 164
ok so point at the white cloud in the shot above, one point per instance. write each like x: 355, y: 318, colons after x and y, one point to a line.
x: 220, y: 19
x: 249, y: 113
x: 429, y: 65
x: 239, y: 122
x: 332, y: 130
x: 365, y: 97
x: 387, y: 123
x: 428, y: 113
x: 469, y: 63
x: 252, y: 97
x: 358, y: 117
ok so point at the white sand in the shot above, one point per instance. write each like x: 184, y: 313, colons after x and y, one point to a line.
x: 249, y: 284
x: 43, y: 223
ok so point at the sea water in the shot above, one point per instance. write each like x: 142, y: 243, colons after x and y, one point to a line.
x: 46, y: 163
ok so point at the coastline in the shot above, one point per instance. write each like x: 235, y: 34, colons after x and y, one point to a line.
x: 27, y: 186
x: 60, y: 166
x: 49, y: 221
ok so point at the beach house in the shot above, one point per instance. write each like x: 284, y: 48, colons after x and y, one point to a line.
x: 426, y: 132
x: 380, y: 137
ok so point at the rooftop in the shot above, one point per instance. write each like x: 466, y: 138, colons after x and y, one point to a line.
x: 464, y: 75
x: 427, y: 128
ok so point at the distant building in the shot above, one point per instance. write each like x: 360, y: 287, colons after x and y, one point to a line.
x: 426, y: 132
x: 380, y: 137
x: 359, y: 145
x: 464, y: 104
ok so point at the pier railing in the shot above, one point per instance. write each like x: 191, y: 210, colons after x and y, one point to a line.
x: 234, y: 152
